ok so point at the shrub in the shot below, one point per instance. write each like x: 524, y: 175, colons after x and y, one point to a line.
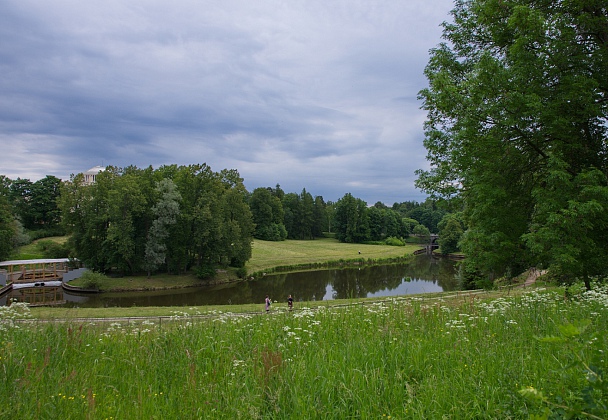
x: 51, y: 249
x: 205, y: 272
x: 392, y: 241
x: 92, y: 280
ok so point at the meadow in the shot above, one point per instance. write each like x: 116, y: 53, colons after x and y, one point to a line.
x: 293, y: 253
x: 526, y: 355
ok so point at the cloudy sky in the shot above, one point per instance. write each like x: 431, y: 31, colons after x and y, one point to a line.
x: 315, y: 94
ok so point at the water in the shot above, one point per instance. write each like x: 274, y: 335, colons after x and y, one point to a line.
x: 423, y: 275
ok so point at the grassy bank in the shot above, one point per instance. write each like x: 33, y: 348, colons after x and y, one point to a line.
x: 406, y: 358
x: 282, y: 256
x: 267, y: 255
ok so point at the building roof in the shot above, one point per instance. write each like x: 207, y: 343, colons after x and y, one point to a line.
x: 95, y: 170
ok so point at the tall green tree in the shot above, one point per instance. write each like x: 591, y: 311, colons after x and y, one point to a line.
x: 451, y: 229
x: 8, y: 229
x: 319, y: 219
x: 126, y: 205
x: 351, y: 220
x: 20, y: 196
x: 517, y: 90
x: 44, y: 209
x: 165, y: 211
x: 267, y: 211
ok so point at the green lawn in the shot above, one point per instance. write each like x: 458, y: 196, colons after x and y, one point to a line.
x: 290, y: 253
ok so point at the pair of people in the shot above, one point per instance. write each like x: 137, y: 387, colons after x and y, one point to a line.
x: 268, y: 302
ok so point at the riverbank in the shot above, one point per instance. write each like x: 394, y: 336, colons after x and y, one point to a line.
x: 270, y: 257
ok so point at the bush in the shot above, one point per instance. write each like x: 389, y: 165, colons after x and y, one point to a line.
x: 241, y: 272
x: 51, y: 249
x: 205, y: 273
x: 392, y: 241
x: 92, y: 280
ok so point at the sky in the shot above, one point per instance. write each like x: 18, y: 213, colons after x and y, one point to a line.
x: 314, y: 94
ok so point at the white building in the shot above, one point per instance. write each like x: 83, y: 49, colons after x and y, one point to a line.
x: 91, y: 174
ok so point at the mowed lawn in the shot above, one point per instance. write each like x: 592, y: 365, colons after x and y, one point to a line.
x: 292, y: 252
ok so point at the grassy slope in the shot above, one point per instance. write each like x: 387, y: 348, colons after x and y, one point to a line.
x: 288, y: 253
x: 31, y: 251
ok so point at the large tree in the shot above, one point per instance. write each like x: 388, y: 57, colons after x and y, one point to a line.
x: 351, y: 220
x: 517, y: 99
x: 267, y: 211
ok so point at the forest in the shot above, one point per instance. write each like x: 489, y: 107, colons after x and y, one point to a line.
x: 177, y: 219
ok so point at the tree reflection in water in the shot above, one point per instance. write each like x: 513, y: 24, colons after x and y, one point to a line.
x: 423, y: 274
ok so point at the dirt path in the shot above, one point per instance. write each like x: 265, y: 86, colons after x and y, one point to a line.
x: 533, y: 274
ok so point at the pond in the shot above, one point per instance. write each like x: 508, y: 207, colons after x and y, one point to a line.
x: 423, y: 275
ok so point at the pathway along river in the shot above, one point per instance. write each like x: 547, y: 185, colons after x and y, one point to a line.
x: 423, y: 275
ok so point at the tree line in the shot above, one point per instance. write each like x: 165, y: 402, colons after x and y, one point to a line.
x: 180, y: 218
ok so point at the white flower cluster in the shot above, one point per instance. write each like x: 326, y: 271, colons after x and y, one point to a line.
x: 8, y: 314
x: 598, y: 295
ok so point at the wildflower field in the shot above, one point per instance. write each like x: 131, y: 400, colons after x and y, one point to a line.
x: 535, y: 355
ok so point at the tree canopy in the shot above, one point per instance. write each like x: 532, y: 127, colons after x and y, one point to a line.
x: 516, y: 128
x: 173, y: 219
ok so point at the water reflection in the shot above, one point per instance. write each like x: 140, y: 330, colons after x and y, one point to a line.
x: 422, y: 275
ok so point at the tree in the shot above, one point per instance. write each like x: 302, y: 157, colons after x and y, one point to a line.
x: 165, y: 211
x: 132, y: 220
x: 422, y: 232
x: 7, y: 229
x: 238, y: 226
x: 44, y: 211
x: 267, y: 212
x: 319, y: 219
x: 351, y: 220
x: 21, y: 197
x: 517, y: 93
x: 126, y: 204
x: 451, y: 229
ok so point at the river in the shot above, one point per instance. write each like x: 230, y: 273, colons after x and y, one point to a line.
x: 423, y: 275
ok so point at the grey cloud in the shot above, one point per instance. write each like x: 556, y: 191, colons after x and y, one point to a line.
x: 316, y: 95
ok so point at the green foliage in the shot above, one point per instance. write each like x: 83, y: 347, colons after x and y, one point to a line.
x: 174, y: 218
x: 45, y: 233
x: 570, y: 222
x: 351, y: 220
x: 516, y: 128
x: 165, y: 211
x: 35, y: 203
x: 579, y: 387
x: 205, y: 273
x: 392, y: 241
x: 470, y: 276
x: 8, y: 229
x: 268, y: 215
x: 92, y: 280
x: 52, y: 249
x: 422, y: 232
x: 304, y: 216
x: 451, y: 229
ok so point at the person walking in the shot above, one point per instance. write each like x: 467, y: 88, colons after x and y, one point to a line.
x: 267, y: 304
x: 290, y: 302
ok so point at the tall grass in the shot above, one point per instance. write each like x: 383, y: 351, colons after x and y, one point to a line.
x: 404, y: 358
